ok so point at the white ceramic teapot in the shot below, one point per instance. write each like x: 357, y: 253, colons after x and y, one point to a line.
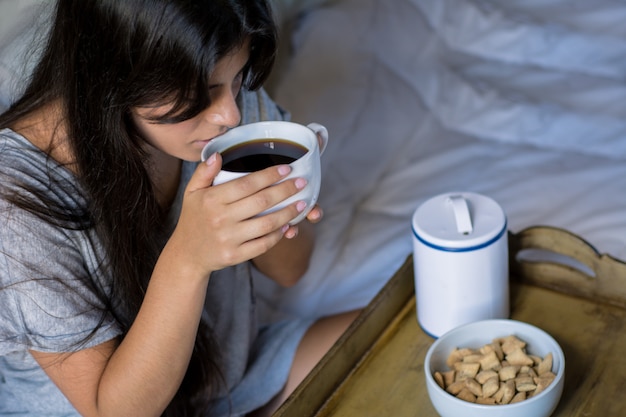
x: 460, y: 261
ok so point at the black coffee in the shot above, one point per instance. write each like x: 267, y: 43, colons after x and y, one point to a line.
x: 259, y: 154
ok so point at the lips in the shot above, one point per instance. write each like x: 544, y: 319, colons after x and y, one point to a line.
x: 204, y: 142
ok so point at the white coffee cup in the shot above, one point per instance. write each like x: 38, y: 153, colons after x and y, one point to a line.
x: 271, y: 137
x: 460, y: 256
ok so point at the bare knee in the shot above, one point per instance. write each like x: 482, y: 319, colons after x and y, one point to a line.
x: 318, y: 339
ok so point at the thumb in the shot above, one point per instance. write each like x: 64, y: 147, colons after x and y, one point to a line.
x: 205, y: 172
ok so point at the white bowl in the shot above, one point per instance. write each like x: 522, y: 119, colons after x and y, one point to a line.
x: 477, y: 334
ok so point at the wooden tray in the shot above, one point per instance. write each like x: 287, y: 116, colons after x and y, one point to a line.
x: 574, y: 293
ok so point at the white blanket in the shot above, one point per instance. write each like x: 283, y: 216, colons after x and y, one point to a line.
x: 523, y: 101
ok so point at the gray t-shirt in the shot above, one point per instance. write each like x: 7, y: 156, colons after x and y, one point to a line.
x: 54, y: 315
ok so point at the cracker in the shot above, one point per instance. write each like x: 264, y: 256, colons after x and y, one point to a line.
x: 500, y: 372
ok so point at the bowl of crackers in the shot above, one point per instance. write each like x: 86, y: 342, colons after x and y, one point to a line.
x: 495, y: 368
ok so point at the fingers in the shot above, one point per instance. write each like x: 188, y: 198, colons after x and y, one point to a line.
x: 246, y: 196
x: 252, y: 183
x: 264, y: 232
x: 262, y: 243
x: 254, y: 193
x: 315, y: 215
x: 269, y: 197
x: 267, y: 223
x: 205, y: 173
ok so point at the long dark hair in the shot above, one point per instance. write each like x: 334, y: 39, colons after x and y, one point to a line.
x: 104, y: 57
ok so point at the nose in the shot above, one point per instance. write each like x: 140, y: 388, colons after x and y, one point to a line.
x: 224, y: 111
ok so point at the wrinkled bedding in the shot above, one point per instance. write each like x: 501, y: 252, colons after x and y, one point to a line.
x: 521, y: 100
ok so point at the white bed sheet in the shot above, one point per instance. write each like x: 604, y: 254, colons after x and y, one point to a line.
x: 522, y: 101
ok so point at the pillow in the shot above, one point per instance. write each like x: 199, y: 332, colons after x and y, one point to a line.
x: 19, y: 29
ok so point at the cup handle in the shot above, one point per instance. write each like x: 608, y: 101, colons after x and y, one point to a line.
x: 322, y: 135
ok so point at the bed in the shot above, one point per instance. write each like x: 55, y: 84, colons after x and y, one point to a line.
x: 520, y: 100
x: 523, y: 101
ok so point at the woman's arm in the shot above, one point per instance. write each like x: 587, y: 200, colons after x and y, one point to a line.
x: 286, y: 262
x: 139, y: 375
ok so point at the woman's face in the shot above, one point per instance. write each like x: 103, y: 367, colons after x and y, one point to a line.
x: 185, y: 140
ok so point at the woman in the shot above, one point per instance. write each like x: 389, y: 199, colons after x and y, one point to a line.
x: 124, y: 274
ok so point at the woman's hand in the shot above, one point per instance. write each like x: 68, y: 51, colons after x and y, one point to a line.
x: 218, y: 225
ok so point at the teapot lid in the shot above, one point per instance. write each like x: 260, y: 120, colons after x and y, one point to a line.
x: 459, y: 221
